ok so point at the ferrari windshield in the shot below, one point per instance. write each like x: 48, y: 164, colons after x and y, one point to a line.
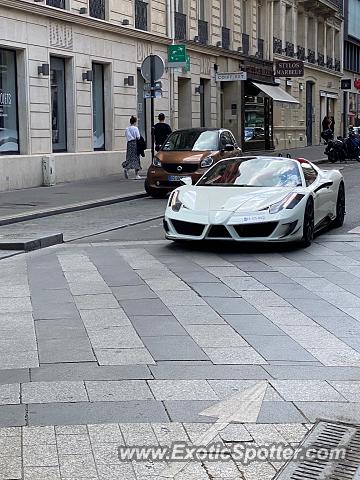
x: 192, y: 140
x: 253, y: 172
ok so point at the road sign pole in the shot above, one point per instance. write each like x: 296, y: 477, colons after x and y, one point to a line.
x: 152, y: 89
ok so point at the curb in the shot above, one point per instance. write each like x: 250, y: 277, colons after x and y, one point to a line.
x: 75, y: 207
x: 29, y: 245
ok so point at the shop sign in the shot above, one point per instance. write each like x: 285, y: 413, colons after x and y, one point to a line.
x: 357, y: 83
x: 230, y: 77
x: 292, y: 68
x: 260, y: 70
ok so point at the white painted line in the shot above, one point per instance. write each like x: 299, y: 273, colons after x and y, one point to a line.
x: 243, y: 407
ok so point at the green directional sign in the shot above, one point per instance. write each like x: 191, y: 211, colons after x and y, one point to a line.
x: 177, y: 55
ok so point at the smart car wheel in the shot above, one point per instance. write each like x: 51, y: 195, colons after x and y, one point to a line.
x: 340, y: 207
x: 308, y: 226
x: 153, y: 192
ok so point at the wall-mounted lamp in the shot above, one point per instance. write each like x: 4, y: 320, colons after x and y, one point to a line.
x: 125, y: 22
x: 199, y: 89
x: 44, y: 70
x: 218, y: 44
x: 301, y: 86
x: 83, y: 11
x: 196, y: 38
x: 129, y: 81
x: 88, y: 76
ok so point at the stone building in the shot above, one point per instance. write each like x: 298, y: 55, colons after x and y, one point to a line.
x: 70, y: 76
x: 351, y: 97
x: 310, y: 31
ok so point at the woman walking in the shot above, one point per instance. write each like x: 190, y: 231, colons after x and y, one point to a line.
x: 132, y: 161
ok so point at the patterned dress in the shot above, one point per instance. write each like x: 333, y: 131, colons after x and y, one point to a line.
x: 132, y: 156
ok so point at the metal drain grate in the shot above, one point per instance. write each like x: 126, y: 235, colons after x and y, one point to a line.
x: 327, y: 435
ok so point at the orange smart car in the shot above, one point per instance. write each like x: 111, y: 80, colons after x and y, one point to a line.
x: 188, y: 153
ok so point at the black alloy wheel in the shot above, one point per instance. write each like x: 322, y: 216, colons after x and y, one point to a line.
x: 308, y: 226
x: 340, y: 207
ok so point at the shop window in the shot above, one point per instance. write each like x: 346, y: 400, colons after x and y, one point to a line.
x: 58, y: 104
x: 9, y: 130
x: 98, y: 107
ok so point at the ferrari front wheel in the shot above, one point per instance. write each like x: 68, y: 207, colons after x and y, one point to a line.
x: 308, y: 225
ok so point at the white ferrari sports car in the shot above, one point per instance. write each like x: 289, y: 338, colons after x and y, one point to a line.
x: 257, y: 199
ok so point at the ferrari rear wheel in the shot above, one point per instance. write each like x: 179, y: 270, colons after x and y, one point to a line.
x: 340, y: 207
x: 308, y: 226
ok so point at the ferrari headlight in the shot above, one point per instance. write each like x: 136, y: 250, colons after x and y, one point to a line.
x: 289, y: 202
x: 156, y: 162
x: 207, y: 162
x: 174, y: 201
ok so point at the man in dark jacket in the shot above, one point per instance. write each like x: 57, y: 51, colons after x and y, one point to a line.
x: 161, y: 131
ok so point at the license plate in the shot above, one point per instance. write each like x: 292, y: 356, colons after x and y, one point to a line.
x: 175, y: 178
x: 252, y: 219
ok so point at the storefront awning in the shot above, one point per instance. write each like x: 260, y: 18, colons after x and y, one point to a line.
x: 276, y: 93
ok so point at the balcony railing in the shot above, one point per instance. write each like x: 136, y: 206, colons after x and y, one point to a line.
x: 56, y: 3
x: 225, y: 38
x: 277, y: 45
x: 289, y: 49
x: 203, y: 32
x: 141, y: 11
x: 180, y: 26
x: 337, y: 65
x: 301, y: 52
x: 321, y: 60
x: 329, y: 62
x: 97, y: 9
x: 260, y: 48
x: 311, y: 56
x: 339, y: 4
x: 245, y: 43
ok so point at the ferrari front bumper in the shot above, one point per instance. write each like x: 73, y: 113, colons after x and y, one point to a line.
x: 273, y: 228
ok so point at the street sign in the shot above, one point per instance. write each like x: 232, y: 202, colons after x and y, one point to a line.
x: 291, y: 68
x: 230, y: 77
x: 159, y: 68
x: 188, y: 64
x: 177, y: 56
x: 157, y: 86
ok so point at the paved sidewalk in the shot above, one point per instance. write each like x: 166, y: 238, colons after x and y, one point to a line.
x: 19, y: 205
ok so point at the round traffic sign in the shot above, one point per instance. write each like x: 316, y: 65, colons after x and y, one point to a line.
x: 159, y: 68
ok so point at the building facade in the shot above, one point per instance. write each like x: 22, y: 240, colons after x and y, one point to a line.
x: 351, y: 97
x: 70, y: 77
x: 310, y: 31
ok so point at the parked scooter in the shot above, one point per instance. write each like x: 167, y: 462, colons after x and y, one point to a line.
x: 336, y: 150
x: 352, y: 146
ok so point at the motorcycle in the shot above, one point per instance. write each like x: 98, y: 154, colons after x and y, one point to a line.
x: 352, y: 146
x: 336, y: 150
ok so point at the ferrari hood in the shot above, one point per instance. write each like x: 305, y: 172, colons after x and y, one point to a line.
x: 232, y: 199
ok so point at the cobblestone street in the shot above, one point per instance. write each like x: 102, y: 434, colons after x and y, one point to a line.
x: 126, y: 343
